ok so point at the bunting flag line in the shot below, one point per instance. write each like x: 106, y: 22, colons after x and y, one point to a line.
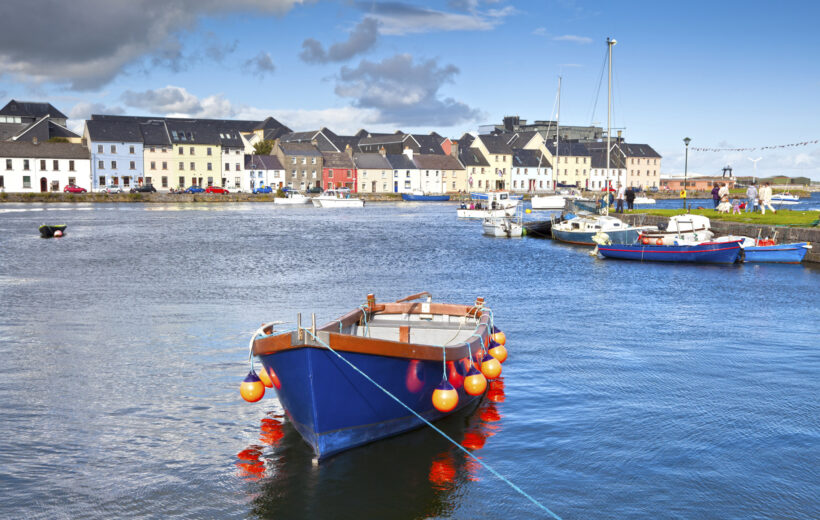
x: 752, y: 149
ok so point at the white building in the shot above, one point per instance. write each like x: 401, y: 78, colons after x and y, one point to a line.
x: 531, y: 172
x: 406, y: 175
x: 261, y: 171
x: 32, y: 167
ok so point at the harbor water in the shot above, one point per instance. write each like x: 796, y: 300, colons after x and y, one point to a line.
x: 632, y: 390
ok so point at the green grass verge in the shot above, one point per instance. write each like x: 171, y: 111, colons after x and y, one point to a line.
x: 781, y: 218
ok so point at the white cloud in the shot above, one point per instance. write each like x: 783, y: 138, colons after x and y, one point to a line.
x: 540, y: 31
x: 573, y: 38
x: 399, y: 18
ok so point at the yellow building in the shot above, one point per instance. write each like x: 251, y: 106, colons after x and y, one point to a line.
x: 196, y: 156
x: 499, y: 157
x: 572, y: 165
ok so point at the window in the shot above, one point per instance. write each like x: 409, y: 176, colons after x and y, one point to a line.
x: 210, y: 181
x: 209, y: 166
x: 363, y: 186
x: 8, y: 164
x: 164, y: 181
x: 330, y: 173
x: 479, y: 183
x: 102, y: 180
x: 153, y: 149
x: 426, y: 173
x: 224, y: 181
x: 148, y: 180
x: 99, y: 148
x: 209, y: 151
x: 113, y: 165
x: 113, y: 149
x: 384, y: 186
x: 304, y: 160
x: 153, y: 165
x: 293, y: 160
x: 26, y: 181
x: 304, y: 173
x: 181, y: 150
x: 164, y: 165
x: 192, y: 151
x: 71, y: 166
x: 313, y: 174
x: 181, y: 166
x: 181, y: 181
x: 130, y: 149
x: 313, y: 160
x: 237, y: 182
x: 42, y: 164
x: 227, y: 167
x: 576, y: 160
x: 132, y: 165
x: 406, y: 184
x: 126, y: 181
x: 56, y: 165
x: 237, y: 167
x: 193, y: 166
x: 2, y: 182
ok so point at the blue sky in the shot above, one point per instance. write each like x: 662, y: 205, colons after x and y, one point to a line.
x: 726, y: 74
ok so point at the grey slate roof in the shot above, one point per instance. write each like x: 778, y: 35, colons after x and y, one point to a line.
x: 429, y: 144
x: 30, y: 109
x: 437, y: 162
x: 520, y: 139
x: 371, y: 161
x: 262, y: 162
x: 568, y: 149
x: 337, y: 160
x: 271, y: 124
x: 26, y: 149
x: 466, y: 140
x: 155, y: 134
x: 376, y: 139
x: 471, y: 157
x: 43, y: 129
x: 113, y: 131
x: 401, y: 162
x: 639, y: 150
x: 9, y: 130
x: 496, y: 144
x: 306, y: 149
x: 529, y: 159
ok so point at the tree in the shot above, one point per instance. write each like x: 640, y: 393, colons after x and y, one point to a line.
x: 263, y: 147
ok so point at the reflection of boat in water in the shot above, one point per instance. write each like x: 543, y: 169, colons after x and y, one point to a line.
x: 400, y: 345
x: 49, y: 231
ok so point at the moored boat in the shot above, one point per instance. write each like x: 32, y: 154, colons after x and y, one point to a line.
x: 292, y: 197
x: 776, y: 253
x: 581, y: 228
x: 419, y: 196
x: 785, y: 198
x: 48, y: 231
x: 695, y: 228
x: 490, y: 204
x: 643, y: 201
x: 337, y: 198
x: 326, y: 378
x: 701, y: 253
x: 503, y: 227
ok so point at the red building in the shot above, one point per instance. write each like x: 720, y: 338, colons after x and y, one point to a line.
x: 338, y: 171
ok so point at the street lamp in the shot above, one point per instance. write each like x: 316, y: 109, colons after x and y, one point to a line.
x: 686, y: 141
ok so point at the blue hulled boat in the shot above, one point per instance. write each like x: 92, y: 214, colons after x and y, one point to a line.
x: 781, y: 254
x: 399, y: 345
x: 421, y: 197
x: 701, y: 253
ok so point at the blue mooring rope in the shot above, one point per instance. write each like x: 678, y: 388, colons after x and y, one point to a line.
x: 428, y: 423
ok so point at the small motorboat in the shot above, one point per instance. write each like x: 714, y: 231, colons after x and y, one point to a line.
x: 643, y: 201
x: 337, y: 198
x: 49, y: 231
x: 553, y: 202
x: 776, y: 253
x: 581, y: 228
x: 292, y: 198
x: 326, y: 378
x: 695, y: 228
x: 419, y: 196
x: 699, y: 253
x: 490, y: 204
x: 503, y: 227
x: 785, y: 198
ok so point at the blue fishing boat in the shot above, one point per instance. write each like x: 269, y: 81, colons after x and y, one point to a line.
x: 700, y: 253
x: 781, y: 253
x: 418, y: 196
x: 324, y: 377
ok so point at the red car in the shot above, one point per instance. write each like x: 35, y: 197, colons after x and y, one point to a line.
x: 74, y: 189
x: 215, y: 189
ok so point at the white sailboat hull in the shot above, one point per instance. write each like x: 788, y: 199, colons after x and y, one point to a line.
x: 484, y: 213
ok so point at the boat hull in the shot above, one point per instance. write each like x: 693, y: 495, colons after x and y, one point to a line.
x: 620, y: 236
x: 337, y: 203
x: 704, y: 253
x: 484, y: 213
x: 781, y: 254
x: 287, y: 201
x: 335, y: 408
x: 503, y: 229
x: 548, y: 202
x: 409, y: 197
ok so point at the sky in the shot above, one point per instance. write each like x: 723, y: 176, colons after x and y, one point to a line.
x: 726, y: 74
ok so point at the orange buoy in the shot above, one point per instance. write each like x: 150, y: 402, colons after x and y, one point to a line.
x: 490, y: 367
x: 659, y: 242
x: 500, y: 338
x: 414, y: 378
x: 475, y: 383
x: 498, y: 351
x: 645, y: 241
x: 454, y: 376
x: 264, y: 376
x: 58, y: 233
x: 445, y: 397
x: 274, y: 379
x: 252, y: 388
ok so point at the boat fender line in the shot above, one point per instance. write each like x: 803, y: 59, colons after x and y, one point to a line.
x: 260, y: 332
x: 431, y: 425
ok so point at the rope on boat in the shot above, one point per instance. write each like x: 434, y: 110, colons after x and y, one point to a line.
x: 428, y: 423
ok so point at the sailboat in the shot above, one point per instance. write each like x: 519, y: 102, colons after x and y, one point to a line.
x: 557, y: 201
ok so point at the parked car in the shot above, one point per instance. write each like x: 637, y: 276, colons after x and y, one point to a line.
x: 654, y: 189
x: 110, y: 189
x: 263, y: 189
x: 194, y: 189
x: 73, y: 189
x: 145, y: 188
x: 216, y: 189
x: 315, y: 189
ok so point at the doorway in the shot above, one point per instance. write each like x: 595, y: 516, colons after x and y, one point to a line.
x: 43, y: 185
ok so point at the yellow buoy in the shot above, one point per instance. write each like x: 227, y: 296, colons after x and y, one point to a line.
x: 500, y: 338
x: 445, y: 397
x: 529, y: 211
x: 498, y: 351
x: 490, y: 367
x: 252, y: 388
x: 475, y: 383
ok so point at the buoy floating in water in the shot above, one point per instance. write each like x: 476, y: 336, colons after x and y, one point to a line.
x: 252, y: 388
x: 445, y: 397
x: 475, y: 383
x: 58, y: 233
x: 490, y: 367
x: 498, y: 351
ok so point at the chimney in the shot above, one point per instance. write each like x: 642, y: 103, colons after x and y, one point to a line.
x: 382, y: 151
x: 408, y: 152
x: 348, y: 150
x: 34, y: 140
x: 619, y: 135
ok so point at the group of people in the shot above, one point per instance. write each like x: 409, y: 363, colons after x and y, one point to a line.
x: 624, y: 194
x: 754, y: 197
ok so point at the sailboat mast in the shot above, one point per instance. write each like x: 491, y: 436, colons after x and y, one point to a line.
x: 557, y: 138
x: 609, y: 42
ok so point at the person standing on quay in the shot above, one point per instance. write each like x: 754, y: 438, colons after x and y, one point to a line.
x: 766, y: 199
x: 751, y: 198
x: 619, y: 208
x: 630, y: 198
x: 715, y: 196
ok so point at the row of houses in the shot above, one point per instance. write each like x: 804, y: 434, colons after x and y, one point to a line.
x: 168, y: 153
